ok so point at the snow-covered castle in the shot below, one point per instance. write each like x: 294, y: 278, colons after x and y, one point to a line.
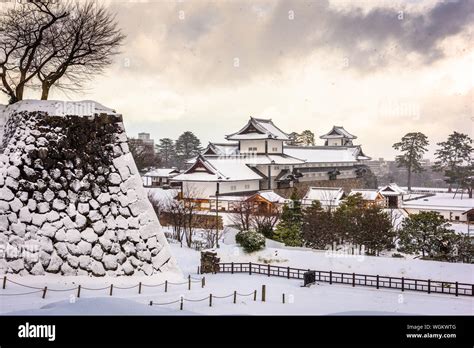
x: 258, y: 157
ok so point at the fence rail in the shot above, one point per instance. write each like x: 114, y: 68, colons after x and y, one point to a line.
x: 354, y: 279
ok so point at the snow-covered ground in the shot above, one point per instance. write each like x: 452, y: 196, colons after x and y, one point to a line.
x: 319, y: 299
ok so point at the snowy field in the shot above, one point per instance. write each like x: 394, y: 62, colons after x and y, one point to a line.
x: 319, y: 299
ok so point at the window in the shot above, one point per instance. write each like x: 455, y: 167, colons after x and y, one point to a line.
x: 252, y: 149
x: 247, y: 186
x: 233, y: 188
x: 276, y: 168
x: 275, y: 149
x: 456, y: 218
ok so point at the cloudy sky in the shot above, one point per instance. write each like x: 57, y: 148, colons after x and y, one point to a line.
x: 378, y: 68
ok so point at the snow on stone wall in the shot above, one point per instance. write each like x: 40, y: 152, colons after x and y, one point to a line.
x: 71, y: 199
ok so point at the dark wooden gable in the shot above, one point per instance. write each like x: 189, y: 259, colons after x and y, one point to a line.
x: 250, y: 129
x: 199, y: 167
x: 210, y: 151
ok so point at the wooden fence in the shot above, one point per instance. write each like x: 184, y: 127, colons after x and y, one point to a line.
x: 355, y: 279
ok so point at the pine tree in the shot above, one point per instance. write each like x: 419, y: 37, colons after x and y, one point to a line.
x: 317, y: 227
x: 426, y: 233
x: 288, y: 230
x: 413, y: 146
x: 452, y: 156
x: 187, y: 146
x: 167, y: 152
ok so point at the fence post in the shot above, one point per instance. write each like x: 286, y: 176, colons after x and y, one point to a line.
x: 429, y: 286
x: 232, y: 268
x: 377, y: 281
x: 166, y: 286
x: 181, y: 304
x: 210, y: 300
x: 111, y: 289
x: 283, y: 297
x: 255, y: 295
x: 79, y: 291
x: 353, y: 279
x: 269, y: 270
x: 4, y: 281
x: 472, y: 291
x: 250, y: 268
x: 140, y: 287
x: 457, y: 289
x: 44, y: 291
x: 263, y: 292
x: 330, y: 277
x: 203, y: 282
x: 403, y: 284
x: 198, y: 270
x: 288, y: 273
x: 235, y: 296
x: 189, y: 282
x: 151, y: 303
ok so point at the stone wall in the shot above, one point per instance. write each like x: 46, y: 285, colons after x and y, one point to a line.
x: 72, y: 201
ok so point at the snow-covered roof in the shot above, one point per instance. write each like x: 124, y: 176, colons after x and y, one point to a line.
x: 58, y: 108
x: 338, y: 132
x: 162, y: 172
x: 367, y: 195
x: 218, y: 169
x: 221, y: 149
x: 323, y: 154
x: 271, y: 196
x: 328, y: 196
x: 259, y: 128
x: 441, y: 201
x: 392, y: 190
x: 255, y: 159
x: 161, y: 195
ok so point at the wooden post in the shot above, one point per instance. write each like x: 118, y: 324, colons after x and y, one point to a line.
x: 429, y: 286
x: 457, y: 289
x: 44, y: 291
x: 283, y: 298
x: 353, y: 279
x: 269, y: 270
x: 210, y: 300
x: 189, y: 282
x: 4, y: 281
x: 232, y: 268
x: 330, y: 277
x: 151, y: 303
x: 288, y: 275
x: 79, y: 291
x: 111, y: 289
x: 403, y: 284
x: 250, y: 268
x: 255, y: 295
x: 203, y: 282
x: 198, y: 270
x: 235, y: 296
x: 166, y: 286
x: 263, y: 292
x: 377, y: 281
x: 140, y: 287
x: 181, y: 304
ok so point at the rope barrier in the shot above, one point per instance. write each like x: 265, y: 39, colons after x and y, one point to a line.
x: 214, y: 296
x: 60, y: 290
x: 152, y: 286
x: 125, y: 288
x: 26, y: 286
x: 251, y: 294
x: 107, y: 287
x: 25, y: 293
x: 190, y: 300
x: 165, y: 303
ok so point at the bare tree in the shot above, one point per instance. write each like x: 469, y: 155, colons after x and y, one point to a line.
x: 45, y: 41
x: 242, y: 215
